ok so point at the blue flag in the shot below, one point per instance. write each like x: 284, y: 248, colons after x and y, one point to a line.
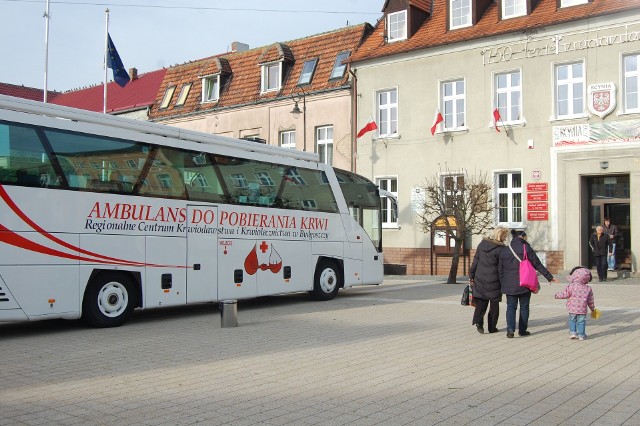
x: 120, y: 74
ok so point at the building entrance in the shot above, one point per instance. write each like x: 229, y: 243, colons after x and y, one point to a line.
x: 609, y: 196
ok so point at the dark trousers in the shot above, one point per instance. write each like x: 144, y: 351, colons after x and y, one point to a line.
x: 601, y: 266
x: 481, y: 308
x: 512, y: 305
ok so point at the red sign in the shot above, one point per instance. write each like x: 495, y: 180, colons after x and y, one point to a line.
x: 537, y: 215
x: 537, y: 196
x: 537, y: 186
x: 540, y: 207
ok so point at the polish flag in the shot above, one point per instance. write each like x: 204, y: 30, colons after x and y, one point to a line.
x: 496, y: 118
x: 439, y: 119
x: 371, y: 125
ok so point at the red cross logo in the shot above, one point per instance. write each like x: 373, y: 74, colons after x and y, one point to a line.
x: 263, y: 247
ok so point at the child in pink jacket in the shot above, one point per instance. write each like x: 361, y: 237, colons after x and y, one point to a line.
x: 579, y: 296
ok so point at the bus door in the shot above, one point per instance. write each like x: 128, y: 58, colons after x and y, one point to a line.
x: 237, y: 278
x: 283, y: 266
x: 202, y: 261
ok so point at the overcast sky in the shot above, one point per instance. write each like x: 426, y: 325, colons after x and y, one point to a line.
x: 152, y: 34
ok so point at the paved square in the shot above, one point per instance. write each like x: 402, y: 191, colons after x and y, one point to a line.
x: 403, y: 353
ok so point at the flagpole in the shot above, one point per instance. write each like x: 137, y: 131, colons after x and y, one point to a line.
x: 46, y: 51
x: 106, y: 52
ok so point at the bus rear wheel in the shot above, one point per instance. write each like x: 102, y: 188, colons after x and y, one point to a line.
x: 326, y: 281
x: 108, y: 300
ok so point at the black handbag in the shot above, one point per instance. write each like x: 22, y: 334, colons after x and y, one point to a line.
x: 466, y: 295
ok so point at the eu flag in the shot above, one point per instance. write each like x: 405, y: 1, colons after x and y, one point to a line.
x: 120, y: 74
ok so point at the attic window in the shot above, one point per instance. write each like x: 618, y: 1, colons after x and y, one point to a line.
x: 271, y: 76
x: 211, y: 88
x: 397, y: 26
x: 338, y: 66
x: 566, y: 3
x: 307, y: 71
x: 168, y: 94
x: 460, y: 13
x: 184, y: 92
x: 513, y: 8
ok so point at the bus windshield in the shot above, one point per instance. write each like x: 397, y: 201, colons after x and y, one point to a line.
x: 363, y: 199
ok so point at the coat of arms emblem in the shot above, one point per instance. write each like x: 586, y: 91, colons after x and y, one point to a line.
x: 602, y: 99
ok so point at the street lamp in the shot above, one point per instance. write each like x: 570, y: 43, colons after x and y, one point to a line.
x: 301, y: 95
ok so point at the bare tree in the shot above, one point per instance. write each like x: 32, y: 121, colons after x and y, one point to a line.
x: 463, y: 202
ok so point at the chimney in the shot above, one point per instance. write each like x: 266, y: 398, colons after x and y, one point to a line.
x: 133, y: 73
x: 236, y: 46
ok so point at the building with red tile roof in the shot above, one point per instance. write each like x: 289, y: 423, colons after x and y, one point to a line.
x: 252, y: 92
x: 24, y: 92
x: 541, y: 96
x: 133, y: 101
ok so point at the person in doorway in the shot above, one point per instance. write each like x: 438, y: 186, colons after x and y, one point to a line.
x: 484, y: 277
x: 509, y: 270
x: 600, y: 244
x: 612, y: 231
x: 579, y: 295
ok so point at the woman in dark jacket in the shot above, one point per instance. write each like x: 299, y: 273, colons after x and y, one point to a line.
x: 483, y: 276
x: 509, y: 268
x: 600, y: 244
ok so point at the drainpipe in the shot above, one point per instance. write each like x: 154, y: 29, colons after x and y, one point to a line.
x: 354, y: 119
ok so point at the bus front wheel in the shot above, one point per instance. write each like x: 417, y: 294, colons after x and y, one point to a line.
x: 108, y: 300
x: 326, y: 281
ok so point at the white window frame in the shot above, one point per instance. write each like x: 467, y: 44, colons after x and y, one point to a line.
x: 510, y: 191
x: 450, y: 104
x: 209, y: 95
x: 309, y: 204
x: 266, y: 70
x: 397, y: 26
x: 387, y: 204
x: 567, y: 3
x: 308, y: 69
x: 506, y: 111
x: 626, y: 75
x: 239, y: 180
x: 387, y: 112
x: 165, y: 180
x: 264, y: 179
x: 324, y: 143
x: 184, y: 92
x: 166, y: 99
x: 513, y: 8
x: 288, y: 139
x: 571, y: 82
x: 338, y: 67
x: 460, y: 11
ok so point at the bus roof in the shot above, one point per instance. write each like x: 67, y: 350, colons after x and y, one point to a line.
x: 58, y: 111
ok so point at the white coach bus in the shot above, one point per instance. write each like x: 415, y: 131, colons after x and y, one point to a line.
x: 100, y: 215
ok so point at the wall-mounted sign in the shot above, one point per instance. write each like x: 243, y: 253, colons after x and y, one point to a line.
x: 542, y: 186
x: 537, y: 196
x: 538, y: 206
x: 602, y: 98
x: 537, y: 216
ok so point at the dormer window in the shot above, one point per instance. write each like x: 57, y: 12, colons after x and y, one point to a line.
x: 460, y: 15
x: 211, y: 88
x: 168, y: 94
x: 307, y: 71
x: 565, y: 3
x: 513, y: 8
x: 397, y: 26
x: 271, y: 79
x: 338, y: 67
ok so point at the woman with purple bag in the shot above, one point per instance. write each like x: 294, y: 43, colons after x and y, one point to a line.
x: 509, y: 269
